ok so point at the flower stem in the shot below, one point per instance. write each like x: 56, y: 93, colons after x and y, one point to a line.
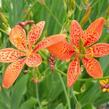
x: 37, y: 94
x: 65, y: 91
x: 91, y: 79
x: 84, y: 79
x: 78, y: 106
x: 64, y: 74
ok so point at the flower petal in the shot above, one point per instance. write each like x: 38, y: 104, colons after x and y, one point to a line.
x: 93, y: 32
x: 93, y: 67
x: 98, y: 50
x: 10, y: 55
x: 61, y: 50
x: 12, y: 72
x: 73, y: 72
x: 76, y: 32
x: 34, y: 60
x: 49, y: 41
x: 17, y: 37
x: 35, y: 33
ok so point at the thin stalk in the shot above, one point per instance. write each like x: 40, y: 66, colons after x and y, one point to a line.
x: 37, y: 94
x: 74, y: 97
x: 78, y: 106
x: 91, y: 79
x: 65, y: 91
x: 37, y: 90
x: 61, y: 72
x: 87, y: 79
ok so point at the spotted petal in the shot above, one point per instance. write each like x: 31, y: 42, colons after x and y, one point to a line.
x: 34, y: 60
x: 93, y: 67
x: 73, y: 72
x: 10, y: 55
x: 76, y: 33
x: 49, y: 41
x: 17, y: 37
x: 12, y: 72
x: 98, y: 50
x: 93, y: 32
x: 35, y: 33
x: 61, y: 50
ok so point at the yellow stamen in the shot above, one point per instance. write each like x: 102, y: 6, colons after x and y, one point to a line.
x: 92, y: 54
x: 104, y: 90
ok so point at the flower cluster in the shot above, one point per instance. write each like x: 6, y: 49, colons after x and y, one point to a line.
x: 80, y: 48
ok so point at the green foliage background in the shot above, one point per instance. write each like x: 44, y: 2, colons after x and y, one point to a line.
x: 51, y: 92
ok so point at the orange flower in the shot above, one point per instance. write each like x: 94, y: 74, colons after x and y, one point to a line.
x: 25, y: 53
x: 81, y: 47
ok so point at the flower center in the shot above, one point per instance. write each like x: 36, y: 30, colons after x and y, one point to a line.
x: 29, y: 52
x: 81, y: 50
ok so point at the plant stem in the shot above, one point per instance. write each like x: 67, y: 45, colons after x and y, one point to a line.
x: 87, y: 79
x: 37, y: 90
x: 61, y: 72
x: 78, y: 106
x: 37, y: 94
x: 74, y: 97
x: 65, y: 91
x: 91, y: 79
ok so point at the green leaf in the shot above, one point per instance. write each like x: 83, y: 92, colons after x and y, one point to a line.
x: 60, y: 106
x: 5, y: 99
x: 103, y: 98
x: 104, y: 64
x: 89, y: 106
x: 29, y: 104
x: 53, y: 87
x: 91, y: 93
x: 3, y: 105
x: 18, y: 91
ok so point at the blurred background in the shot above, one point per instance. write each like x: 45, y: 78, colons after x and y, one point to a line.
x: 50, y: 91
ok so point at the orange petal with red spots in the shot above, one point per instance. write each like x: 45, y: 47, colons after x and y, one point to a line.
x: 49, y: 41
x: 76, y: 32
x: 34, y: 60
x: 35, y: 33
x: 93, y: 32
x: 73, y: 72
x: 10, y: 55
x: 12, y: 72
x: 98, y: 50
x: 61, y: 50
x: 17, y: 37
x: 93, y: 67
